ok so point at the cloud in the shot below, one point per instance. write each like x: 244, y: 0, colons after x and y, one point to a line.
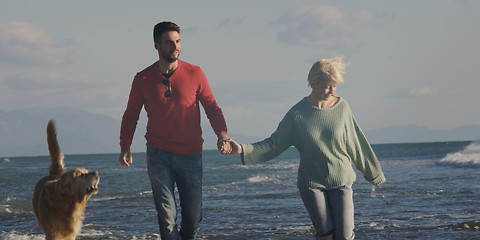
x: 464, y: 3
x: 38, y: 80
x: 23, y: 43
x: 322, y: 26
x: 364, y: 18
x: 54, y: 89
x: 189, y: 30
x: 426, y: 91
x: 231, y: 21
x: 238, y: 112
x: 417, y: 92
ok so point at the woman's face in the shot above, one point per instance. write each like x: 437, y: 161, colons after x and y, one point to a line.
x: 325, y: 89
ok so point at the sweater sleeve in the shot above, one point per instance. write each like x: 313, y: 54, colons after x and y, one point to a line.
x: 362, y: 154
x: 271, y: 147
x: 212, y: 110
x: 131, y: 115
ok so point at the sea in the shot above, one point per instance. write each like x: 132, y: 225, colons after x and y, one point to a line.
x: 432, y: 192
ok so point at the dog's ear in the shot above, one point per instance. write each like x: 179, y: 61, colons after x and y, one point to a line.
x: 77, y: 173
x: 66, y: 182
x: 66, y: 186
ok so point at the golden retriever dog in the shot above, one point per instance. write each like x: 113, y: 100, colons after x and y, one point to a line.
x: 59, y: 199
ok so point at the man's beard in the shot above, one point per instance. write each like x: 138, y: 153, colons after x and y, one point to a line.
x: 168, y: 57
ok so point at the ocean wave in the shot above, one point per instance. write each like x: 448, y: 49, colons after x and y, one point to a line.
x: 117, y: 197
x: 472, y: 225
x: 267, y: 166
x: 261, y: 179
x: 14, y: 235
x: 88, y: 231
x: 15, y: 205
x: 468, y: 157
x: 256, y: 179
x: 149, y: 192
x: 102, y: 199
x: 6, y: 205
x: 85, y: 233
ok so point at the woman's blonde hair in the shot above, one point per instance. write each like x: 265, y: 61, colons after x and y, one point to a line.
x: 325, y: 69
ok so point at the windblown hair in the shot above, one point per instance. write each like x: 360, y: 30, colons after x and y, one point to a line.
x: 325, y: 69
x: 162, y: 27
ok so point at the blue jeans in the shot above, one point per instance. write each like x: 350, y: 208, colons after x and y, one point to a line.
x: 331, y: 210
x: 166, y: 169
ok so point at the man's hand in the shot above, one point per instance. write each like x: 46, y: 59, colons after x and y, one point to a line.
x: 223, y: 144
x: 125, y: 158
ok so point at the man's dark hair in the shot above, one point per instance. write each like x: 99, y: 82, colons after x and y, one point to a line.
x: 162, y: 27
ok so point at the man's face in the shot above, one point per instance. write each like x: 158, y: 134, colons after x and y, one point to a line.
x: 169, y: 46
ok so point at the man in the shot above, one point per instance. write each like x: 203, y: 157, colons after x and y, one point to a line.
x: 170, y: 90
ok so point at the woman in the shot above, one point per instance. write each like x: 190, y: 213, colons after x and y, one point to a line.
x: 322, y: 128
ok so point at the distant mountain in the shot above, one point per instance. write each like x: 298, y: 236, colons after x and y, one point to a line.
x: 22, y: 133
x: 412, y: 133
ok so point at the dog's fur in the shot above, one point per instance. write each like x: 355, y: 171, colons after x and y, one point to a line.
x: 59, y: 199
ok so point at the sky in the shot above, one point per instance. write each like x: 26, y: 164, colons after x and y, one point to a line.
x: 411, y: 62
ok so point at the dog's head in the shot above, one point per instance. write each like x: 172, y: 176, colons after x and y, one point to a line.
x: 80, y: 183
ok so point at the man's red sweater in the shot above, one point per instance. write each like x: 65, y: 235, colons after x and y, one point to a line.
x: 173, y: 123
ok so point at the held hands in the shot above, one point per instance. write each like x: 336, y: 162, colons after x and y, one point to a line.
x: 230, y: 147
x: 236, y: 147
x: 223, y: 144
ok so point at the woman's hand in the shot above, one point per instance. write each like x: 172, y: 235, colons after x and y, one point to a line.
x: 236, y: 148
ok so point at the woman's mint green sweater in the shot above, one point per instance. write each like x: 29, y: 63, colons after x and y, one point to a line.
x: 328, y: 140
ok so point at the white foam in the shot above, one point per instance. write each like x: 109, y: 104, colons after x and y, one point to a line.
x: 145, y: 237
x: 94, y: 233
x: 14, y: 235
x: 150, y: 192
x: 259, y: 179
x: 469, y: 157
x: 6, y: 205
x: 101, y: 199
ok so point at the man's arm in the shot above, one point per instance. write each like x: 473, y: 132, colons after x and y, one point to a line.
x: 129, y: 122
x: 213, y: 112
